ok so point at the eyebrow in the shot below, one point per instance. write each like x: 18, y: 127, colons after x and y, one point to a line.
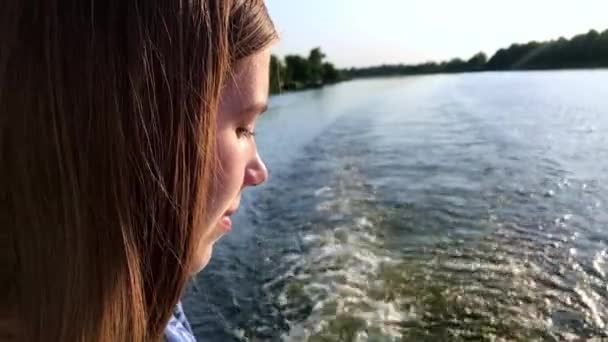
x: 256, y: 108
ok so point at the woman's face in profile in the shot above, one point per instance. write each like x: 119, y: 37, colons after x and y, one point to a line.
x: 242, y: 101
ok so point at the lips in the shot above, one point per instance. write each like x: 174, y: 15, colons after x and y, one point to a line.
x: 233, y: 209
x: 226, y: 223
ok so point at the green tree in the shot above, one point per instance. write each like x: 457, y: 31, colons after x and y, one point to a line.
x: 277, y: 74
x: 297, y: 70
x: 588, y: 50
x: 330, y: 73
x: 477, y: 62
x: 602, y: 49
x: 455, y: 65
x: 315, y: 62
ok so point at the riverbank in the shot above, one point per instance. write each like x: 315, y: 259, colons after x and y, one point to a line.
x: 582, y: 51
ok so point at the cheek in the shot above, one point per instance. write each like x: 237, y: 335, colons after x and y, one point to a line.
x: 231, y: 163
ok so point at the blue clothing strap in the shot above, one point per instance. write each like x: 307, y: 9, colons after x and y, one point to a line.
x: 178, y: 329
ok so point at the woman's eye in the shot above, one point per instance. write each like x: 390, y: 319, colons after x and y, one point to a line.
x: 243, y: 132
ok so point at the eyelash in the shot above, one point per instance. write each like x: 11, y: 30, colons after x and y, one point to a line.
x: 244, y: 132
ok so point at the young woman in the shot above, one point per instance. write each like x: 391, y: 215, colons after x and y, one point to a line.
x: 126, y: 140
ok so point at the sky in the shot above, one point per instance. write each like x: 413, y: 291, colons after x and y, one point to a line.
x: 373, y: 32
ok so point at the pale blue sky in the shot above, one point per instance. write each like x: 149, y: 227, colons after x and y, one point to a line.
x: 372, y: 32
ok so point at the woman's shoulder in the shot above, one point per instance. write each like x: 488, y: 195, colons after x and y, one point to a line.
x: 178, y: 329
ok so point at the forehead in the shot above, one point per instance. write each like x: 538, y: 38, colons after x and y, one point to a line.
x: 249, y: 81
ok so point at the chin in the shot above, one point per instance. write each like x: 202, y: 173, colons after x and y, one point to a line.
x: 201, y: 259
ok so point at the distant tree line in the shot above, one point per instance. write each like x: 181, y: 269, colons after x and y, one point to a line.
x: 295, y: 72
x: 582, y: 51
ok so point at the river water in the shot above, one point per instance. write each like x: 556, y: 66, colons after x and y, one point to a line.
x: 446, y: 207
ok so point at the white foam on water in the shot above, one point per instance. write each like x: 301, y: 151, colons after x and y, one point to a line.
x: 287, y: 274
x: 340, y: 264
x: 599, y: 263
x: 590, y: 299
x: 322, y: 191
x: 363, y: 222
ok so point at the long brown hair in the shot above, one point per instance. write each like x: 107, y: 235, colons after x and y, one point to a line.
x: 107, y: 113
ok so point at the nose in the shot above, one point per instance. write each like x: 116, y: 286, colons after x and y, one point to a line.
x: 256, y: 172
